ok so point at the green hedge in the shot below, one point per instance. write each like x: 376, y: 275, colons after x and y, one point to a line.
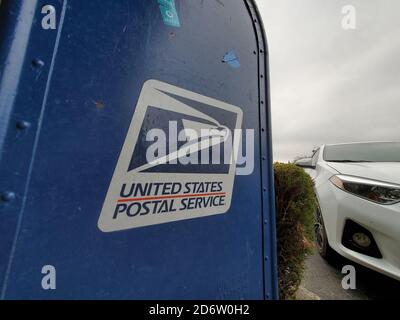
x: 295, y: 206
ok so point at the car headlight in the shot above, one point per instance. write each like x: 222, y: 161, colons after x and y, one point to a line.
x: 376, y: 191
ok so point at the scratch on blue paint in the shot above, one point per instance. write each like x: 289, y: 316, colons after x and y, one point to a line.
x: 169, y: 13
x: 231, y: 59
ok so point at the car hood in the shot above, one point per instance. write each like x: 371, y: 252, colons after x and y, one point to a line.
x: 382, y: 171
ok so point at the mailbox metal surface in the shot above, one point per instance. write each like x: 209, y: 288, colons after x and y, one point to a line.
x: 74, y: 100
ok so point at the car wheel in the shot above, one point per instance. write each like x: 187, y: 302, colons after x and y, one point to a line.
x: 321, y: 238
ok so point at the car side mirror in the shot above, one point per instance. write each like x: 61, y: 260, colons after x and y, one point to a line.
x: 306, y: 163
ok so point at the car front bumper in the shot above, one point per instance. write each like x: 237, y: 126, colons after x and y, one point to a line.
x: 383, y: 222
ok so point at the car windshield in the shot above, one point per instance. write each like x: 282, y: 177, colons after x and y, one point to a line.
x: 363, y: 152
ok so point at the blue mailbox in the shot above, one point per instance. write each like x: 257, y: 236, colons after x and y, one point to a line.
x: 135, y: 151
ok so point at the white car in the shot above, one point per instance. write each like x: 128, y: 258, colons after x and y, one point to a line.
x: 358, y: 191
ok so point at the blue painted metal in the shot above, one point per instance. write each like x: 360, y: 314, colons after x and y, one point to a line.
x: 271, y: 289
x: 77, y: 107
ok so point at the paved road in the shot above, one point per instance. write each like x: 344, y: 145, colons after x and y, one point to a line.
x: 325, y: 280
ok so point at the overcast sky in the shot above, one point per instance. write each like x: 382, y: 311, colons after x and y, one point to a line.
x: 331, y: 85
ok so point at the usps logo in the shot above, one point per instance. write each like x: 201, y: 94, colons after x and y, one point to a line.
x: 178, y: 160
